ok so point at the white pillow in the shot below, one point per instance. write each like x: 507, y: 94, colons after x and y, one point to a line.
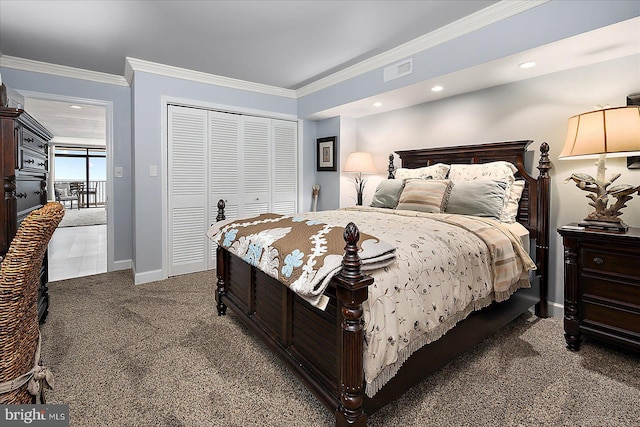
x: 513, y: 202
x: 437, y: 171
x: 499, y: 171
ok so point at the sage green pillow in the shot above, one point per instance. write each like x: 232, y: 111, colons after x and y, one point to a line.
x: 483, y: 198
x: 387, y: 193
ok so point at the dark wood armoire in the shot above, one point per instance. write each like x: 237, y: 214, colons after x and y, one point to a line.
x: 24, y: 166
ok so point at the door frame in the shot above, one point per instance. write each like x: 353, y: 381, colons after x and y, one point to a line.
x: 108, y: 105
x: 165, y: 101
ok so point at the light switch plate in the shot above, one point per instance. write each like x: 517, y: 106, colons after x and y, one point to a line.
x: 153, y: 170
x: 118, y: 171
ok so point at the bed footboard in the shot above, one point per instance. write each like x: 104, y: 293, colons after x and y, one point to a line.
x: 323, y: 348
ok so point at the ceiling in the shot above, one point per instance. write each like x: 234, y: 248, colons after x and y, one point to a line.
x: 287, y: 44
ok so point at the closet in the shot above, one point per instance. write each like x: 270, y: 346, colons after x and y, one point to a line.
x: 249, y: 162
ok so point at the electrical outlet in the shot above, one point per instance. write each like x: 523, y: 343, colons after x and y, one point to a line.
x: 153, y: 170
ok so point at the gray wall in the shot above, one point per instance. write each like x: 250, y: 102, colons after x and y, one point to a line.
x: 147, y: 92
x: 308, y: 166
x: 119, y: 96
x: 536, y: 109
x: 329, y: 181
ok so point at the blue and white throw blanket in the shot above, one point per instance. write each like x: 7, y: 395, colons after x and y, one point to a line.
x: 302, y: 253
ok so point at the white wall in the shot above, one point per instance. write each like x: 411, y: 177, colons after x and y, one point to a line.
x: 536, y: 109
x: 348, y: 144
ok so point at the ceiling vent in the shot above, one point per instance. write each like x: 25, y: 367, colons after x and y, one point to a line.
x: 398, y: 69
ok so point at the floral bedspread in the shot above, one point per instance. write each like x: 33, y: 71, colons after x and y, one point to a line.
x: 445, y: 266
x: 304, y: 254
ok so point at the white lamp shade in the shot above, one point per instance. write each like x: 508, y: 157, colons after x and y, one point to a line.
x: 614, y: 131
x: 359, y: 161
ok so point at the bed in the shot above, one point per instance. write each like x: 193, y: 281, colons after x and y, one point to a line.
x: 324, y: 348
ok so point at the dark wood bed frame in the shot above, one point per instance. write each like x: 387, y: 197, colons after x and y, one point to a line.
x: 324, y: 349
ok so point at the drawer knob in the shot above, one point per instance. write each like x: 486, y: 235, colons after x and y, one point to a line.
x: 21, y: 195
x: 29, y: 161
x: 598, y: 260
x: 29, y: 139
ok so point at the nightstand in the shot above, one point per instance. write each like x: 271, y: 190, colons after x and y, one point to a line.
x: 601, y: 286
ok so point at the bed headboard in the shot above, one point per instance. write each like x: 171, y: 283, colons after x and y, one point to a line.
x: 533, y: 211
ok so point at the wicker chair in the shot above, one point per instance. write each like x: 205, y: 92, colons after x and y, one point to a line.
x: 20, y: 374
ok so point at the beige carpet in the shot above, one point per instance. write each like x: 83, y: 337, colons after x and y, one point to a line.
x: 158, y: 355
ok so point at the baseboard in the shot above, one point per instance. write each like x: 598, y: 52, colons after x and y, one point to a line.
x: 147, y: 276
x: 556, y: 309
x: 124, y: 264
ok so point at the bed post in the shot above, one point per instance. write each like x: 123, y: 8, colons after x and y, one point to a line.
x: 352, y: 291
x: 220, y: 292
x: 391, y: 167
x: 542, y: 240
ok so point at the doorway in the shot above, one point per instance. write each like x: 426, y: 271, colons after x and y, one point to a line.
x: 79, y: 155
x: 79, y: 245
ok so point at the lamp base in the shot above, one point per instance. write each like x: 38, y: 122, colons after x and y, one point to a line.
x: 359, y: 199
x: 612, y: 227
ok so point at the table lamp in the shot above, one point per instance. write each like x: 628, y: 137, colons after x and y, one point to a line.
x: 612, y: 132
x: 359, y: 162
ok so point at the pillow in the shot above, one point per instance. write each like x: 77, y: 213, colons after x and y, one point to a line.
x: 478, y: 198
x: 513, y: 200
x: 499, y: 171
x: 387, y: 193
x: 62, y: 192
x: 437, y: 171
x: 425, y: 195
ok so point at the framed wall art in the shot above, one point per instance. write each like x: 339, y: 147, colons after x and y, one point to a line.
x: 327, y: 154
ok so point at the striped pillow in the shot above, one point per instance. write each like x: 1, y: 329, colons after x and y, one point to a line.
x: 425, y: 195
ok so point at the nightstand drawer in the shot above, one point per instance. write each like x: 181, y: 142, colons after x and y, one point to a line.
x: 608, y: 317
x: 611, y: 262
x: 625, y: 293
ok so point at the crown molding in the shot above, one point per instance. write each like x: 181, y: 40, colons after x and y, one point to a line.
x: 60, y: 70
x: 133, y: 64
x: 482, y: 18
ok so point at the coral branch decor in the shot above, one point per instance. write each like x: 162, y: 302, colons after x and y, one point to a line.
x: 613, y: 132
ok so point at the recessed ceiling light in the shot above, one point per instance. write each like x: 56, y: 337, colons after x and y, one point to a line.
x: 77, y: 107
x: 437, y: 89
x: 377, y: 104
x: 529, y: 64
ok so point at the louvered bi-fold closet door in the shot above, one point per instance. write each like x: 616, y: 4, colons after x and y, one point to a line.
x: 256, y: 171
x: 224, y: 168
x: 224, y: 162
x: 284, y: 135
x: 188, y: 245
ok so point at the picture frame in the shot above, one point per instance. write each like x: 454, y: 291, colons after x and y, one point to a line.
x: 326, y: 155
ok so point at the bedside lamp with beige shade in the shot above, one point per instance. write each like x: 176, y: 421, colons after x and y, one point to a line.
x: 612, y: 132
x: 359, y: 162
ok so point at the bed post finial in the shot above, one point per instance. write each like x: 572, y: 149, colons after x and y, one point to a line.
x: 352, y: 291
x: 391, y: 168
x: 220, y: 254
x: 542, y: 240
x: 221, y: 206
